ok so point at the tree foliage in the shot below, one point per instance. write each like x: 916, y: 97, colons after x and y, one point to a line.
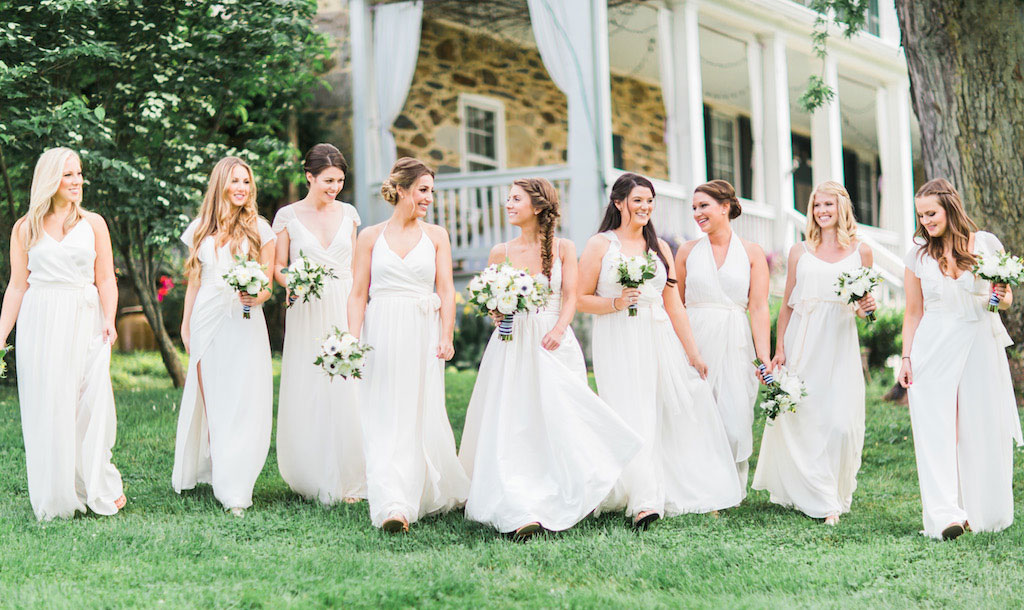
x: 151, y: 94
x: 850, y: 16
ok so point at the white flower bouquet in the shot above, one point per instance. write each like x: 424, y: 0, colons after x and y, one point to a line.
x: 247, y: 276
x: 1001, y: 268
x: 785, y: 391
x: 634, y: 271
x: 854, y: 285
x: 305, y: 279
x: 342, y: 354
x: 3, y: 363
x: 507, y: 290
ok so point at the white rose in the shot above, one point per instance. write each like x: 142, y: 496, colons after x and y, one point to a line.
x: 492, y: 304
x: 348, y: 339
x: 860, y: 287
x: 476, y: 284
x: 792, y: 386
x: 482, y: 298
x: 635, y: 268
x: 507, y: 304
x: 345, y: 369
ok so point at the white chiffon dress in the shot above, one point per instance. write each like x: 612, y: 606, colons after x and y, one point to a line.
x: 962, y: 405
x: 319, y: 435
x: 411, y: 466
x: 809, y: 459
x: 538, y: 444
x: 716, y: 301
x: 67, y: 404
x: 685, y: 464
x: 225, y: 419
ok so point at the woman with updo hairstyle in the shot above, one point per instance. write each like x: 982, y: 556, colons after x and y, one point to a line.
x: 403, y: 267
x: 319, y: 434
x: 962, y: 404
x: 63, y: 295
x: 650, y: 370
x: 541, y: 448
x: 809, y: 458
x: 227, y: 405
x: 722, y: 278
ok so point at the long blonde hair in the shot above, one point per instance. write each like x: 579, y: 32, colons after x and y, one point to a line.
x: 846, y: 226
x: 219, y: 216
x: 45, y: 183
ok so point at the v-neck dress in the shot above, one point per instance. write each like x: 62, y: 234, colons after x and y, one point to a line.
x: 67, y: 405
x: 809, y: 459
x: 411, y: 465
x: 319, y: 435
x: 716, y: 301
x: 224, y: 425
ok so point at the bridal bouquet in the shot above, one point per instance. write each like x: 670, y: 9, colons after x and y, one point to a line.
x: 634, y: 271
x: 504, y: 289
x: 1000, y: 268
x: 854, y: 285
x: 342, y: 354
x: 3, y: 363
x: 306, y: 279
x: 785, y: 391
x: 247, y: 276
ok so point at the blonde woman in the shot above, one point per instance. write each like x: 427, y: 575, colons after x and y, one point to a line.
x: 225, y: 418
x: 63, y: 295
x: 962, y: 405
x: 411, y: 466
x: 319, y: 435
x: 809, y: 459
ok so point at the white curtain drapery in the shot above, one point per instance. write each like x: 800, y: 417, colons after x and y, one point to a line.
x: 396, y: 47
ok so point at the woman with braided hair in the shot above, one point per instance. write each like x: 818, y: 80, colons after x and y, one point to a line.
x: 541, y: 448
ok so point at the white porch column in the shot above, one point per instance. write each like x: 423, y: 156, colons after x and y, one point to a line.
x: 680, y: 47
x: 888, y: 22
x: 755, y: 71
x: 826, y: 132
x: 897, y: 160
x: 778, y: 140
x: 361, y: 35
x: 572, y: 38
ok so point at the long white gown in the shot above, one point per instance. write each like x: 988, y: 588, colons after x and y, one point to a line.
x: 67, y: 404
x: 224, y: 425
x: 538, y: 444
x: 319, y: 436
x: 411, y: 465
x: 685, y: 464
x: 809, y: 459
x: 716, y: 301
x: 962, y: 406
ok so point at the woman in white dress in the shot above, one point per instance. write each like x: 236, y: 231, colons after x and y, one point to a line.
x: 962, y: 405
x: 541, y: 448
x: 63, y: 295
x: 809, y: 459
x: 648, y: 369
x: 319, y: 436
x: 411, y: 466
x: 226, y: 408
x: 722, y: 277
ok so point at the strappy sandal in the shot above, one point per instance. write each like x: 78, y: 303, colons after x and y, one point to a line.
x: 953, y: 531
x: 641, y: 524
x: 394, y: 524
x: 527, y: 531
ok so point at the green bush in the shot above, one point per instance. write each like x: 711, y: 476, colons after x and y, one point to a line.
x: 472, y: 332
x: 883, y: 336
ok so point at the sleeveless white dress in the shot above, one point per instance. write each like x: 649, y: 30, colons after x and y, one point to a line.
x: 685, y: 464
x: 67, y: 404
x: 319, y: 436
x: 411, y: 465
x: 538, y: 444
x: 962, y: 405
x: 809, y: 459
x: 716, y: 301
x: 224, y: 430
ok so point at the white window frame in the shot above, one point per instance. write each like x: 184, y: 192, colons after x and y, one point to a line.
x: 733, y: 119
x: 489, y: 104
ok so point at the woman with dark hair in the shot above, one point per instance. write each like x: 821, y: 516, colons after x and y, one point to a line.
x: 648, y: 368
x: 962, y: 405
x: 721, y: 278
x: 541, y: 448
x: 319, y: 435
x: 403, y: 306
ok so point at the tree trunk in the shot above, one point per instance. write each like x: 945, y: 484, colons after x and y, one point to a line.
x: 144, y: 286
x: 966, y: 63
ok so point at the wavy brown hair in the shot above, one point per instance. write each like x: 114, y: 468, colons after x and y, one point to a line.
x: 959, y: 226
x: 724, y: 193
x: 218, y: 215
x: 544, y: 199
x: 613, y: 217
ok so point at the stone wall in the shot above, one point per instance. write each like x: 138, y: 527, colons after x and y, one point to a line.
x: 638, y: 116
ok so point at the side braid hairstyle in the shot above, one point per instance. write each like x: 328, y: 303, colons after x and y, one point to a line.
x: 544, y: 199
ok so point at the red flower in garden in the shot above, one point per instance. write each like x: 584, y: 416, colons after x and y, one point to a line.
x: 166, y: 283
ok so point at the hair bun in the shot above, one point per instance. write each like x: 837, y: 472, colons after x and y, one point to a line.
x: 389, y: 191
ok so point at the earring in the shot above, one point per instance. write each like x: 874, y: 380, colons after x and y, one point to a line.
x: 724, y: 212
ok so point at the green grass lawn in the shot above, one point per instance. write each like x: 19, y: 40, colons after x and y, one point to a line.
x: 184, y: 551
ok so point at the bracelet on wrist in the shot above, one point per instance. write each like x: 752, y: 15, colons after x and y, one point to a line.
x: 614, y: 308
x: 905, y: 358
